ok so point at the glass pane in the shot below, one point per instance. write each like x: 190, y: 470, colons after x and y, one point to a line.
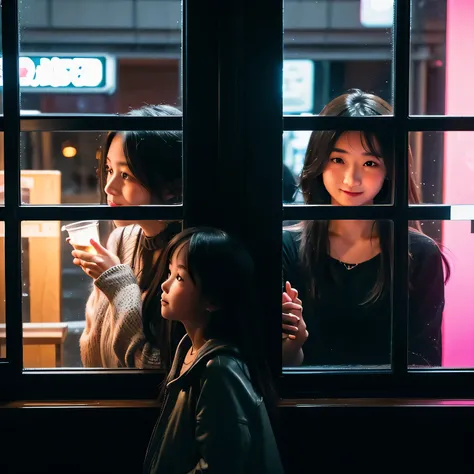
x: 443, y: 166
x: 346, y: 169
x: 333, y: 46
x: 441, y: 38
x: 1, y: 75
x: 99, y: 56
x: 295, y: 144
x: 58, y: 329
x: 2, y: 168
x: 345, y: 293
x: 3, y: 348
x: 441, y: 327
x: 63, y: 167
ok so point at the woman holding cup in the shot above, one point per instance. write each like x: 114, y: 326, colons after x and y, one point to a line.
x: 136, y: 168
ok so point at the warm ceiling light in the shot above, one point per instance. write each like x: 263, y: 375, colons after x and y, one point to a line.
x: 69, y: 150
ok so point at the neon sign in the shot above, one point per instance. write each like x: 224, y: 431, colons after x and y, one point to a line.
x: 65, y: 73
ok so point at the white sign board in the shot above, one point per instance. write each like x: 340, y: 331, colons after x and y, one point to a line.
x: 376, y: 13
x: 298, y: 86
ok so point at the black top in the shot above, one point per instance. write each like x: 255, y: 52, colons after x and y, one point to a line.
x: 342, y: 331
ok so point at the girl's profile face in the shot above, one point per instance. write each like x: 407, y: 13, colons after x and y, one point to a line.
x: 122, y: 188
x: 181, y: 299
x: 352, y: 175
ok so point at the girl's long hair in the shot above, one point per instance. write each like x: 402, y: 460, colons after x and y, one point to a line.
x: 223, y: 271
x: 314, y: 243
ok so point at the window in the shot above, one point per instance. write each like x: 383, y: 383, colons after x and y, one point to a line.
x: 59, y: 106
x: 249, y: 102
x: 426, y: 86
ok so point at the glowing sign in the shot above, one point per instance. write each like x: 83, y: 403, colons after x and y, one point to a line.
x: 65, y: 73
x: 376, y: 13
x: 298, y: 86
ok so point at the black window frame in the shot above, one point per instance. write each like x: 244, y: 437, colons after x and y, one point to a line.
x: 400, y: 380
x: 199, y: 123
x: 232, y: 154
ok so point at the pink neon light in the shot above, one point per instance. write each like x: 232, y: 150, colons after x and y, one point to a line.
x: 458, y: 324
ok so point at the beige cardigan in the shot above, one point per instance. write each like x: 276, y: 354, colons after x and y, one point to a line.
x: 113, y: 336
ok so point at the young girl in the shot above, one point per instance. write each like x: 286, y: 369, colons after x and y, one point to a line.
x: 340, y: 271
x: 214, y: 418
x: 136, y: 168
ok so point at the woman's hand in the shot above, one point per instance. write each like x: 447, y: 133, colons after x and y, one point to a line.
x: 294, y: 333
x: 293, y: 325
x: 94, y: 264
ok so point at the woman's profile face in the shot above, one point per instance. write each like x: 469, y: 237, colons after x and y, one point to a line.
x: 352, y: 175
x: 122, y: 188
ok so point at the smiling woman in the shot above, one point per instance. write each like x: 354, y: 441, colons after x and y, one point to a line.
x: 354, y: 174
x: 340, y: 271
x: 324, y: 146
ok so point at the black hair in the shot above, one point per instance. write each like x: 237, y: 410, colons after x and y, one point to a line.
x: 153, y: 156
x: 290, y: 185
x: 314, y: 241
x: 223, y: 271
x: 155, y: 159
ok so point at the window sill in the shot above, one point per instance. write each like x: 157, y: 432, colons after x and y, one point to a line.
x: 287, y: 403
x: 374, y: 402
x: 83, y: 404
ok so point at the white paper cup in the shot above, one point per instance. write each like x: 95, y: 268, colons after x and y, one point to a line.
x: 81, y: 233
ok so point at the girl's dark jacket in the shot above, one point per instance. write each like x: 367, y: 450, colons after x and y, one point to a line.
x: 212, y: 420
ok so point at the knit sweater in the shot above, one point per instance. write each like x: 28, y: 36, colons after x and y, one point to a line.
x: 113, y: 336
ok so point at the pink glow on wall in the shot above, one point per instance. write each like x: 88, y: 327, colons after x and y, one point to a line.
x: 458, y: 324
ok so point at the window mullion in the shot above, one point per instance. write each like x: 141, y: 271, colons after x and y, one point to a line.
x: 200, y: 113
x: 400, y: 252
x: 261, y: 156
x: 11, y: 110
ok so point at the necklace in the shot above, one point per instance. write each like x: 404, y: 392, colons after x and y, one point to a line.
x: 191, y: 353
x: 349, y: 266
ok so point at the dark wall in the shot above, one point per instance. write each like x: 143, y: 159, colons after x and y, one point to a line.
x: 402, y: 439
x: 79, y: 440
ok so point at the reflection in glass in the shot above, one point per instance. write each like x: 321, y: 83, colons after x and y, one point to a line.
x: 429, y: 270
x: 330, y: 47
x: 3, y: 334
x: 444, y: 166
x: 295, y: 144
x: 457, y: 242
x: 84, y: 312
x: 76, y: 167
x: 95, y: 57
x: 439, y: 84
x: 2, y: 167
x: 341, y: 272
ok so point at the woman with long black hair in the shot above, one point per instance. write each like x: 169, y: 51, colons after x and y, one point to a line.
x: 340, y: 271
